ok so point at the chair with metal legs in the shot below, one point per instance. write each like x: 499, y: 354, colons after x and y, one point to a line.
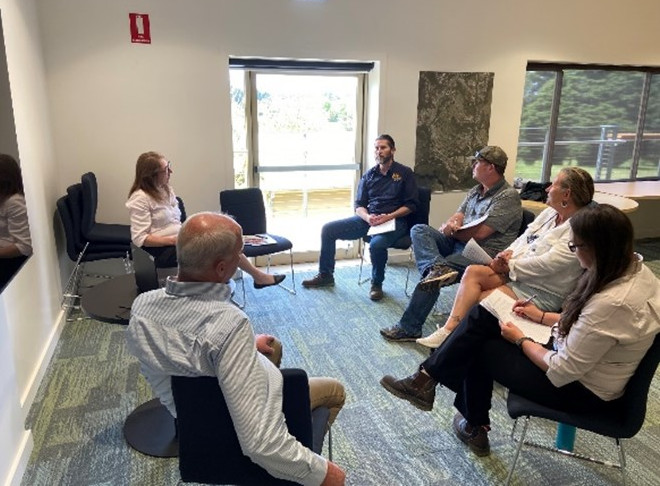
x: 421, y: 216
x: 247, y: 207
x: 622, y: 418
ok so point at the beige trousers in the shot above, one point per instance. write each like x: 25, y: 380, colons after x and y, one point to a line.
x: 323, y: 391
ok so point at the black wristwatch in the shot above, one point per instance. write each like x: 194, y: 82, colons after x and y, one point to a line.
x: 520, y: 341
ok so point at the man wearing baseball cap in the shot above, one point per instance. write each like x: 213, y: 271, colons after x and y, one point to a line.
x: 491, y: 213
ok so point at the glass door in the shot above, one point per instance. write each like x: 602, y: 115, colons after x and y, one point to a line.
x: 297, y: 137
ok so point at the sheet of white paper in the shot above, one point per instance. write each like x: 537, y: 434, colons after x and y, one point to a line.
x: 258, y: 240
x: 382, y: 228
x: 474, y: 222
x: 500, y: 305
x: 474, y: 252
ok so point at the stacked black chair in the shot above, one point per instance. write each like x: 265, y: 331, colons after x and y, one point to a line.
x: 203, y: 417
x: 92, y: 231
x: 78, y: 249
x: 247, y: 207
x: 622, y: 418
x: 420, y: 216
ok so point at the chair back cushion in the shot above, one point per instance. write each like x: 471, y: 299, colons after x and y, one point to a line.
x: 420, y: 216
x: 527, y: 217
x: 74, y: 193
x: 67, y: 224
x: 209, y: 451
x: 633, y: 401
x: 89, y: 202
x: 247, y: 207
x: 182, y: 209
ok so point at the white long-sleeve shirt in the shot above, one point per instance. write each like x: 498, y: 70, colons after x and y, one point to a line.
x: 14, y: 227
x: 541, y: 258
x: 151, y: 217
x: 613, y: 332
x: 192, y: 329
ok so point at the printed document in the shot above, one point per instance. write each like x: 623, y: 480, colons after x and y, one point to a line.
x: 382, y: 228
x: 258, y: 240
x: 474, y: 222
x: 474, y: 252
x: 500, y: 305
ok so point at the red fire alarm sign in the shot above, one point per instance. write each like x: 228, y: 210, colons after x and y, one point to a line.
x: 140, y: 32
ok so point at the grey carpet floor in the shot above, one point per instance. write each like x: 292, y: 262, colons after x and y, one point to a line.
x: 92, y: 384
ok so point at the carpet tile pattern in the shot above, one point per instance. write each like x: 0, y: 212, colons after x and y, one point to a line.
x: 92, y: 384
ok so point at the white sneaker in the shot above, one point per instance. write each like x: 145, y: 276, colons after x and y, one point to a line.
x: 434, y: 340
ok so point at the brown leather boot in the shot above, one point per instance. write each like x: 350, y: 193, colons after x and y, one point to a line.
x: 418, y: 389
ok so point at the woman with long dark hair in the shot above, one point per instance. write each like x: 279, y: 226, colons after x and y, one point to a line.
x: 607, y: 325
x: 15, y: 241
x: 156, y: 218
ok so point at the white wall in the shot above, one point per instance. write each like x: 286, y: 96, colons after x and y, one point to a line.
x: 29, y: 306
x: 110, y: 100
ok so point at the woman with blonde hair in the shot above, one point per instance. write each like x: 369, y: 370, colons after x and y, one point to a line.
x: 607, y: 325
x: 537, y: 265
x: 156, y: 217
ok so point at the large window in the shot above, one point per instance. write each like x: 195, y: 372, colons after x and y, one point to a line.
x: 602, y: 118
x: 298, y: 136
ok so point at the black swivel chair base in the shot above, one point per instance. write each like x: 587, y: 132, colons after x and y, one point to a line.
x: 151, y: 430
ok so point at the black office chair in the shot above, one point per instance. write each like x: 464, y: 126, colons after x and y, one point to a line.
x: 247, y: 207
x: 421, y: 216
x: 527, y: 217
x: 203, y: 418
x: 622, y: 418
x: 99, y: 232
x: 80, y: 251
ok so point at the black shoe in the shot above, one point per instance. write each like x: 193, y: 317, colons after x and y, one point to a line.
x: 439, y: 276
x: 476, y: 437
x: 418, y: 389
x: 376, y: 292
x: 319, y: 280
x: 395, y: 333
x: 277, y: 279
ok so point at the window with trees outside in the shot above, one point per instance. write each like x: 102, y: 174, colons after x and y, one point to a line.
x: 604, y: 119
x: 297, y: 134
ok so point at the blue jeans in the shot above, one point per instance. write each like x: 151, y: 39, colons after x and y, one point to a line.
x: 354, y: 228
x: 430, y: 247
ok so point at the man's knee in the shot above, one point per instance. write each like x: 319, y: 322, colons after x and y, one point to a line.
x: 276, y: 356
x: 419, y: 230
x: 326, y: 392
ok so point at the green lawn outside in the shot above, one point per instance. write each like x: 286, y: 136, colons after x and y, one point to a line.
x: 533, y: 171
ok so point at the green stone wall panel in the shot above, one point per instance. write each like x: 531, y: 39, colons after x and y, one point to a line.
x: 453, y: 120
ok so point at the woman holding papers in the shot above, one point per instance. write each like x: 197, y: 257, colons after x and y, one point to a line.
x: 156, y: 218
x: 537, y: 264
x: 608, y: 323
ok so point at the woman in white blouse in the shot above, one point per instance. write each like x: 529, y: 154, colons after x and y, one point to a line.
x: 15, y: 241
x: 607, y: 325
x: 537, y: 264
x: 156, y: 218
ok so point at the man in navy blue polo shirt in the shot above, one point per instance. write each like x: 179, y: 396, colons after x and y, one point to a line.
x: 387, y: 192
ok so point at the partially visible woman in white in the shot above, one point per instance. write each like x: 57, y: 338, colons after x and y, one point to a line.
x: 15, y: 241
x: 156, y: 218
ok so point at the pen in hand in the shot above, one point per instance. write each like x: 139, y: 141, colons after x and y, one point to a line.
x: 527, y: 301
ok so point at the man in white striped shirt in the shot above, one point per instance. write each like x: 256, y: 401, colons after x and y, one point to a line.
x: 191, y: 328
